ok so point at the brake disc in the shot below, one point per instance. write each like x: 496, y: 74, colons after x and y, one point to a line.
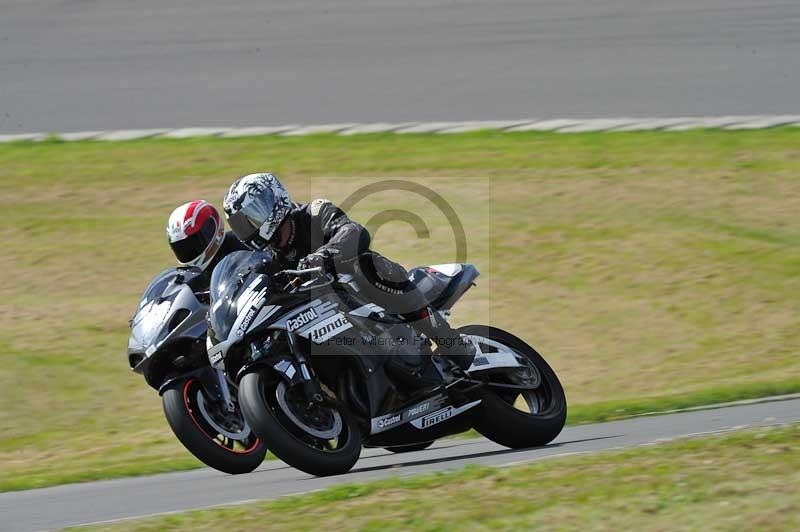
x: 328, y: 434
x: 238, y: 436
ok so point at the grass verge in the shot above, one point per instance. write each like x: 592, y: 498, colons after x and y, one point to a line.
x: 725, y: 482
x: 653, y: 270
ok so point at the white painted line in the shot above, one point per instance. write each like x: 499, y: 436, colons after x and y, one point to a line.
x: 22, y: 137
x: 757, y: 400
x: 322, y: 128
x: 599, y: 124
x: 258, y: 131
x: 380, y: 127
x: 79, y: 135
x: 561, y: 125
x: 430, y: 127
x: 547, y: 125
x: 131, y: 134
x: 712, y: 122
x: 652, y: 124
x: 489, y: 124
x: 762, y: 123
x: 190, y: 132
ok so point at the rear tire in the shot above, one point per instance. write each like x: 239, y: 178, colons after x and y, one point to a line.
x: 410, y: 448
x: 257, y: 397
x: 499, y: 420
x: 188, y: 423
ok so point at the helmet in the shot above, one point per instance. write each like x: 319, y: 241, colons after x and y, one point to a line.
x: 195, y: 233
x: 255, y: 207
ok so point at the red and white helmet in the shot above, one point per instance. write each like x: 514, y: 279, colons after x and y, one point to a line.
x: 195, y: 233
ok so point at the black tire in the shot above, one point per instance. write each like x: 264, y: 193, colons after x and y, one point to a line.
x: 283, y: 437
x: 497, y: 418
x: 410, y: 448
x: 201, y: 440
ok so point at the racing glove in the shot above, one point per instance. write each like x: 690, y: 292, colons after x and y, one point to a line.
x: 315, y: 260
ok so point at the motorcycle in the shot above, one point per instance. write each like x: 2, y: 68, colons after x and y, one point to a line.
x: 316, y: 367
x: 167, y: 347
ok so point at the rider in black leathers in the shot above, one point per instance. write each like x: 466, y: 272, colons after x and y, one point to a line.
x: 320, y: 234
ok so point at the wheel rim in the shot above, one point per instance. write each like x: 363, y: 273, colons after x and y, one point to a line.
x: 320, y: 422
x: 314, y: 433
x: 228, y: 430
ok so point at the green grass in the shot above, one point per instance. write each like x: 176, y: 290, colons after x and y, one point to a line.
x: 653, y: 270
x: 740, y: 480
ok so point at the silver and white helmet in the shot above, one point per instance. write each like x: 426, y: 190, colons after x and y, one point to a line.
x: 255, y: 205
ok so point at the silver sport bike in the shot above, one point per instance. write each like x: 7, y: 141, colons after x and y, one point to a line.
x: 316, y: 367
x: 167, y: 346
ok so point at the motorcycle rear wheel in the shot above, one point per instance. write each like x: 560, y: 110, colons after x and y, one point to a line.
x: 519, y: 419
x: 188, y: 414
x: 266, y: 405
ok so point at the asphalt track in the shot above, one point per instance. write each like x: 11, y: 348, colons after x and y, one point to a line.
x: 124, y: 498
x: 71, y: 65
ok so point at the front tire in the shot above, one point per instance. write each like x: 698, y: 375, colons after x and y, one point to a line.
x: 500, y: 418
x: 194, y: 426
x: 264, y: 400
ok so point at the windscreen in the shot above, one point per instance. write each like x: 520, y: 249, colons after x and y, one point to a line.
x: 231, y: 277
x: 150, y: 315
x: 149, y: 320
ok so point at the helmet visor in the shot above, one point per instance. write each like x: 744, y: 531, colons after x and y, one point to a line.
x: 193, y: 246
x: 244, y: 227
x: 256, y: 219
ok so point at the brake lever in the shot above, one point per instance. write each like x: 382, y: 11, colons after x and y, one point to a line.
x: 297, y: 282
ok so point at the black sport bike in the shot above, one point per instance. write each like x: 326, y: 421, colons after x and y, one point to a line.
x: 319, y: 374
x: 167, y: 346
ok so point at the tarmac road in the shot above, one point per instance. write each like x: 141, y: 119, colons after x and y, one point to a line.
x: 68, y: 65
x: 116, y: 499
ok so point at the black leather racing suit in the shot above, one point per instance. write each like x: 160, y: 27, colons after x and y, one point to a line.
x: 323, y: 229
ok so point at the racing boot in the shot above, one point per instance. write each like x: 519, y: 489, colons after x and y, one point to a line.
x: 449, y: 343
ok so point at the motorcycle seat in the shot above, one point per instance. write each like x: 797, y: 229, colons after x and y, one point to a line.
x: 443, y: 284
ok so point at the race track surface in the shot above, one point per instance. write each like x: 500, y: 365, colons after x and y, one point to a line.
x: 69, y: 65
x: 116, y: 499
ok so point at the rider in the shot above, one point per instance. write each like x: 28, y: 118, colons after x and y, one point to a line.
x: 261, y: 214
x: 197, y: 236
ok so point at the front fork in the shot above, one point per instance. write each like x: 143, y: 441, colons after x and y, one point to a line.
x: 310, y: 382
x: 295, y: 370
x: 225, y: 391
x: 214, y: 382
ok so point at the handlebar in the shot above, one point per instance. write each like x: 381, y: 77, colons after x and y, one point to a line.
x: 294, y: 284
x: 317, y: 270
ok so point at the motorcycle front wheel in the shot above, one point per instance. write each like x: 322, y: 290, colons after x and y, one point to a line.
x: 318, y: 439
x: 218, y: 438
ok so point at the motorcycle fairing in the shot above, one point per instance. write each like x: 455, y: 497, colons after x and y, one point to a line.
x: 395, y: 419
x: 491, y: 355
x: 421, y: 415
x: 318, y: 321
x: 168, y: 312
